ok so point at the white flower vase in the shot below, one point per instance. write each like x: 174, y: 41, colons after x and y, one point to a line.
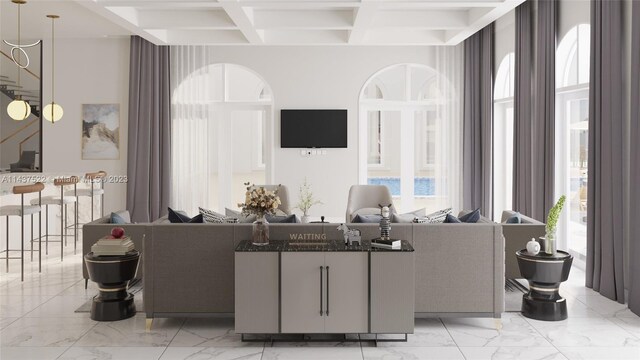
x: 305, y: 219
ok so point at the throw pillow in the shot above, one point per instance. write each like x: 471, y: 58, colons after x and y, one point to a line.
x: 515, y: 219
x: 471, y: 217
x: 120, y: 218
x: 450, y: 219
x: 210, y: 216
x: 367, y: 219
x: 436, y: 217
x: 366, y: 211
x: 408, y: 217
x: 180, y: 217
x: 238, y: 215
x: 282, y: 219
x: 177, y: 216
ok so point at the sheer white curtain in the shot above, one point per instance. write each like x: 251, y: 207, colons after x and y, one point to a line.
x: 193, y: 128
x: 450, y: 65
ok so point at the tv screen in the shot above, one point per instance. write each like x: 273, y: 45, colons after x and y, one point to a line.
x: 313, y: 128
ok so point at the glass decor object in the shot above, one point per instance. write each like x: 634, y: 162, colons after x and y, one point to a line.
x: 260, y: 232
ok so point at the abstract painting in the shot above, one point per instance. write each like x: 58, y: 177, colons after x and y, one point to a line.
x: 100, y: 131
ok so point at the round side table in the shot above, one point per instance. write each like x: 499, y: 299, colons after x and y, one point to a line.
x: 112, y: 273
x: 544, y: 273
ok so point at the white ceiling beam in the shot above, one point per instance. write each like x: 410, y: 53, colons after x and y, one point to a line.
x: 479, y: 19
x: 303, y: 19
x: 185, y: 19
x: 206, y: 37
x: 363, y: 17
x: 243, y: 18
x: 421, y: 19
x: 404, y: 37
x: 124, y: 17
x: 306, y: 37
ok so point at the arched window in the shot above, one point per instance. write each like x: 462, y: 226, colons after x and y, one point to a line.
x: 405, y: 136
x: 572, y: 134
x: 221, y: 136
x: 503, y: 135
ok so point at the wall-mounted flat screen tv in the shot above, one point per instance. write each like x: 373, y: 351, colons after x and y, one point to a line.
x: 313, y: 128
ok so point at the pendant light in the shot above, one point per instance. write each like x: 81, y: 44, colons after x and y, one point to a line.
x: 53, y: 112
x: 18, y: 109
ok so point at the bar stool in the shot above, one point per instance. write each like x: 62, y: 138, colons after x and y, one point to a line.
x: 62, y: 201
x: 93, y: 191
x: 22, y: 210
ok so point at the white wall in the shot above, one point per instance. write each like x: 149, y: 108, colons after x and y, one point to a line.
x: 88, y: 71
x: 317, y: 78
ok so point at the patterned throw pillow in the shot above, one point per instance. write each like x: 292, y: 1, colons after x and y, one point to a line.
x: 210, y: 216
x: 435, y: 217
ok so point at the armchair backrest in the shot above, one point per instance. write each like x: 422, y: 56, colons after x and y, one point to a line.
x: 367, y: 196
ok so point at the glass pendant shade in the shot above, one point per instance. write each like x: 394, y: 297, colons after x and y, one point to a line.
x: 18, y: 110
x: 53, y: 112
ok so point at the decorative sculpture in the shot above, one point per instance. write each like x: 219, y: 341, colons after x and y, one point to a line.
x: 351, y: 236
x: 385, y: 222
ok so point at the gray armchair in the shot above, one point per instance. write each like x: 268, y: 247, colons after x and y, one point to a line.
x: 26, y: 163
x: 367, y: 196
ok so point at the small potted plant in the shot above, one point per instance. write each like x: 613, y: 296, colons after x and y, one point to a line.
x: 550, y: 245
x: 306, y: 200
x: 260, y: 202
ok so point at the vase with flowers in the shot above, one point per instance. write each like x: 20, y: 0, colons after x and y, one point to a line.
x: 550, y: 245
x: 260, y: 202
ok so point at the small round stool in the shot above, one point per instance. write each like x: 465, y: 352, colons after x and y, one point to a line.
x: 112, y: 273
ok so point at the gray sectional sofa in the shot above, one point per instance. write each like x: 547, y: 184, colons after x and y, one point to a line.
x: 189, y: 268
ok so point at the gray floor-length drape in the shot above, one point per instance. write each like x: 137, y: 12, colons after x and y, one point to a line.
x: 149, y: 152
x: 605, y: 207
x: 544, y: 110
x: 522, y: 127
x: 478, y: 122
x: 634, y: 226
x: 534, y: 122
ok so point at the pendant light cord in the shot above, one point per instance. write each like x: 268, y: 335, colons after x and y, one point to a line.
x: 19, y: 69
x: 53, y: 73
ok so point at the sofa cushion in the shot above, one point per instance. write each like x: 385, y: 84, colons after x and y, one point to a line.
x: 367, y: 219
x: 515, y: 219
x: 180, y: 217
x: 435, y: 217
x: 240, y: 216
x: 471, y: 217
x: 211, y: 216
x: 282, y: 219
x: 408, y: 217
x: 450, y: 219
x: 120, y: 217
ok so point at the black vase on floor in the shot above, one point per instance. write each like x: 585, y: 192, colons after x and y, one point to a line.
x: 544, y: 273
x: 112, y: 273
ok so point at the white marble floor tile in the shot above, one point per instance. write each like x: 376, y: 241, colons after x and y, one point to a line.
x: 411, y: 353
x: 601, y: 353
x: 584, y: 332
x: 6, y: 321
x: 515, y: 353
x: 56, y: 332
x: 604, y: 306
x: 112, y: 353
x: 17, y: 306
x: 48, y: 286
x: 428, y: 332
x: 631, y: 324
x: 210, y: 332
x: 60, y: 306
x: 312, y: 353
x: 78, y: 289
x: 131, y: 332
x: 31, y: 353
x: 482, y: 332
x: 217, y: 353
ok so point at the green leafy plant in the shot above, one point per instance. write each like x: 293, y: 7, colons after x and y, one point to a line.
x: 554, y: 215
x: 306, y: 199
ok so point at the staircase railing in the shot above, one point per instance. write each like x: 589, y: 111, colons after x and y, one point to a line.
x: 26, y: 139
x: 25, y: 69
x: 17, y: 131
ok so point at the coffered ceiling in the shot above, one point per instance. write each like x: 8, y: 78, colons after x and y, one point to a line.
x: 302, y: 22
x: 260, y: 22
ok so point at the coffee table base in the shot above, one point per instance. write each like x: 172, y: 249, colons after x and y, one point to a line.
x: 546, y: 310
x: 112, y: 310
